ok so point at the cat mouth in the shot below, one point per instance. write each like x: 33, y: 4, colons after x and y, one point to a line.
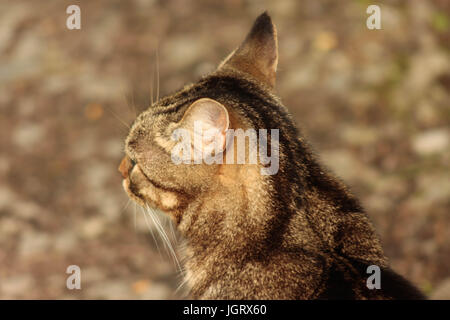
x: 144, y: 191
x: 125, y: 168
x: 128, y: 187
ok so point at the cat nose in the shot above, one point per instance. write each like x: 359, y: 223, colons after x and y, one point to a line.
x: 125, y: 166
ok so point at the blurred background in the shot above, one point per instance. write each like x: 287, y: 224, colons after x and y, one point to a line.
x: 375, y: 104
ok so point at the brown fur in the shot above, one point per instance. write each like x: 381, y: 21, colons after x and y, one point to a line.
x: 298, y: 234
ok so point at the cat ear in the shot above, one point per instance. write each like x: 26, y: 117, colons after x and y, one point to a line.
x: 258, y: 54
x: 207, y: 120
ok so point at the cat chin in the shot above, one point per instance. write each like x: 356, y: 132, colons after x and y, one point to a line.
x: 138, y: 198
x: 138, y: 187
x: 134, y: 197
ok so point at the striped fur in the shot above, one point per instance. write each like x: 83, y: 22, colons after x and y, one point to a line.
x: 298, y: 234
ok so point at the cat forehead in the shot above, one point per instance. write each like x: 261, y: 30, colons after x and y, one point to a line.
x: 147, y: 122
x: 225, y: 85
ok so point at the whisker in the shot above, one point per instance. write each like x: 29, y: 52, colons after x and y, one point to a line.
x: 182, y: 283
x: 117, y: 117
x: 159, y: 226
x: 172, y: 231
x: 135, y: 208
x: 160, y: 232
x: 133, y: 102
x: 130, y: 106
x: 166, y: 238
x: 157, y: 74
x: 152, y: 76
x: 124, y: 208
x: 151, y: 230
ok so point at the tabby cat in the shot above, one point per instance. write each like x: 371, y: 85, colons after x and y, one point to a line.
x: 295, y: 234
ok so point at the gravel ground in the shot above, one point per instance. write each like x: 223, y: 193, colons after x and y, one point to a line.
x: 374, y: 103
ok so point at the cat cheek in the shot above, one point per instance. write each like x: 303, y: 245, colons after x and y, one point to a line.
x: 164, y: 200
x: 149, y: 194
x: 168, y: 200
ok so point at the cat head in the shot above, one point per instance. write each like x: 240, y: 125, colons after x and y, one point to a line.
x: 161, y: 172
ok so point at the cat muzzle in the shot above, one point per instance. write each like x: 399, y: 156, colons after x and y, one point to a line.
x: 125, y: 167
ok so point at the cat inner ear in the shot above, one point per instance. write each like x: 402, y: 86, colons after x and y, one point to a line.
x: 258, y: 54
x: 207, y: 121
